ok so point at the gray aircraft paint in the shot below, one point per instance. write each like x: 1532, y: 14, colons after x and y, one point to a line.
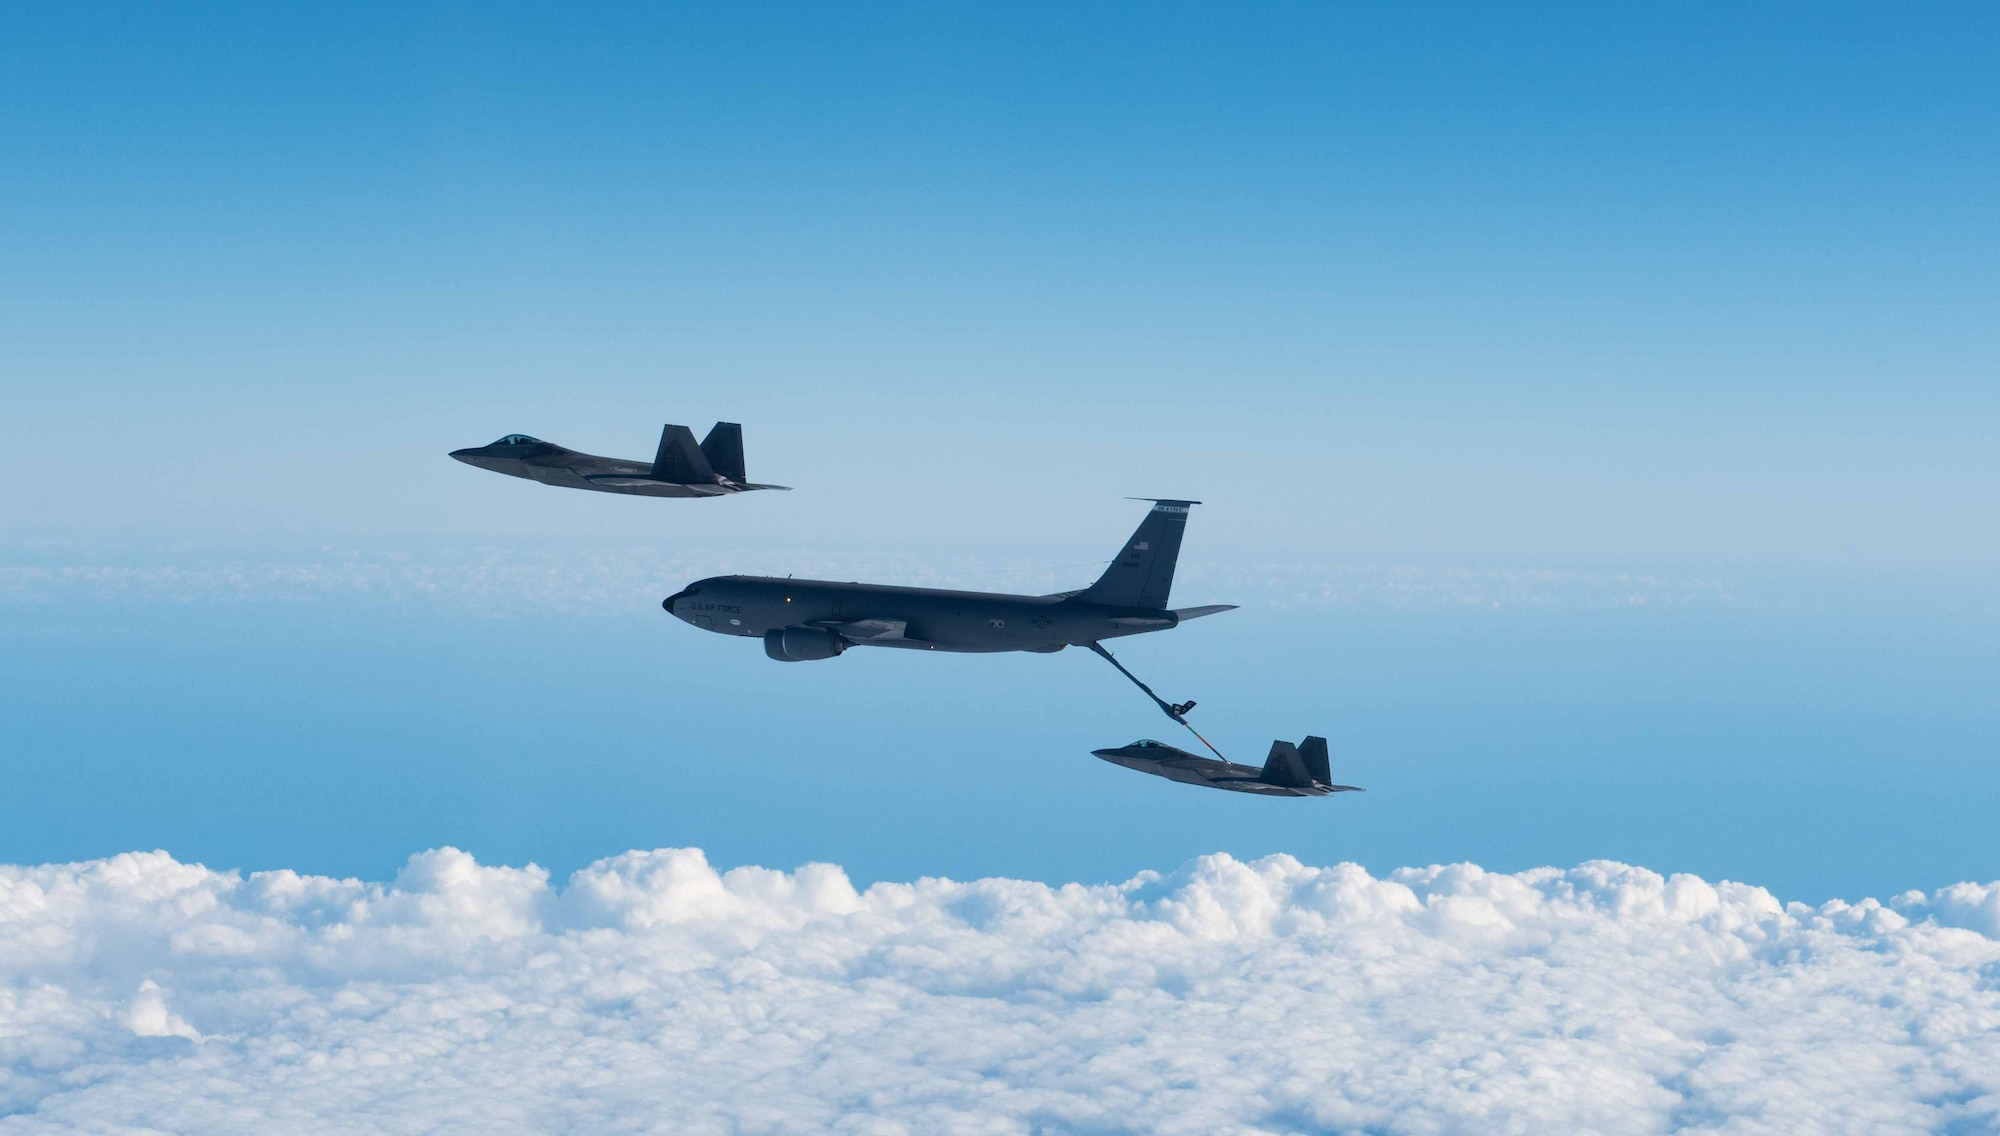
x: 680, y: 468
x: 818, y: 619
x: 1290, y: 771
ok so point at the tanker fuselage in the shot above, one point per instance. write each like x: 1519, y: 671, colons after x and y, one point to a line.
x: 933, y: 619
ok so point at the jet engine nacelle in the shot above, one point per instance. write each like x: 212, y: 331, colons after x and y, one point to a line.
x: 803, y: 644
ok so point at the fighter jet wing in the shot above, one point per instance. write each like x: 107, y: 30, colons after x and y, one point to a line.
x: 1253, y: 785
x: 626, y: 481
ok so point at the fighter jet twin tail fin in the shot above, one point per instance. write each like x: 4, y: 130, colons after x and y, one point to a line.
x: 1302, y: 766
x: 719, y: 455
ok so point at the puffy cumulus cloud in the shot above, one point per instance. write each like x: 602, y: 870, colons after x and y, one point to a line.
x: 651, y: 993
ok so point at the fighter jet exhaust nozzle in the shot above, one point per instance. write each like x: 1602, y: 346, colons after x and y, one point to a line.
x: 803, y: 644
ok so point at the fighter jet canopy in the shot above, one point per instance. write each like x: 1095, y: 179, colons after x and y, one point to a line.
x: 518, y: 440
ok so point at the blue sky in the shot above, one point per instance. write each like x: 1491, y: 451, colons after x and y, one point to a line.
x: 1700, y: 293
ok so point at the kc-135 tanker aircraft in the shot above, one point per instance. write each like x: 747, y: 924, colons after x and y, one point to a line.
x: 799, y: 620
x: 680, y: 468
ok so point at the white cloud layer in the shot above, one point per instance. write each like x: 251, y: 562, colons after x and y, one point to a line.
x: 652, y: 994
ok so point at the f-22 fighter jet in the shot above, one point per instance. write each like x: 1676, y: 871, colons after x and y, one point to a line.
x: 1291, y: 770
x: 680, y: 468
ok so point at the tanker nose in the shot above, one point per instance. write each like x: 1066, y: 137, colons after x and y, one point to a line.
x: 668, y: 603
